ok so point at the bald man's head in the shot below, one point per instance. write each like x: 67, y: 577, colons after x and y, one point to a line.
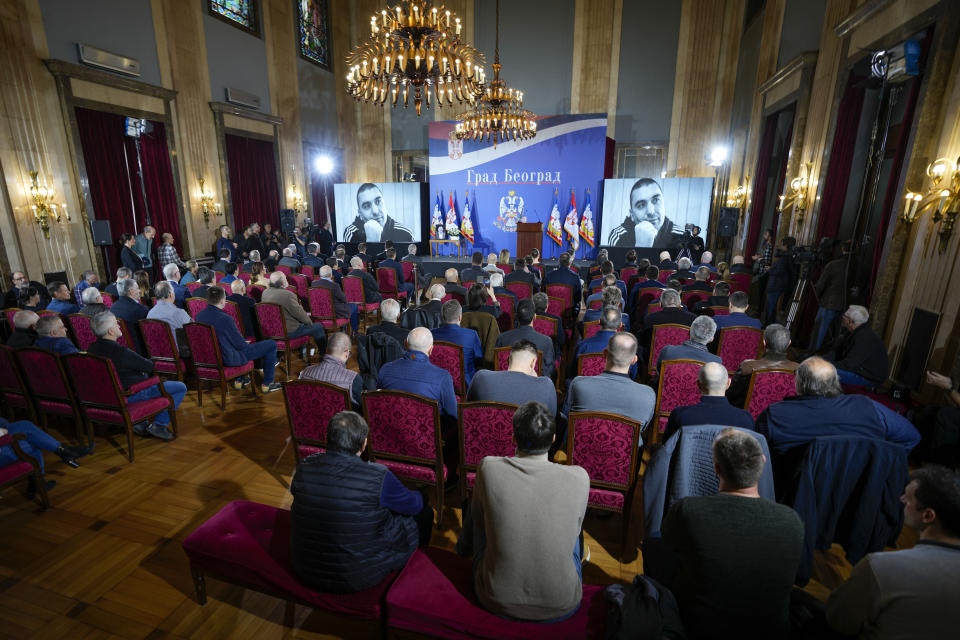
x: 817, y: 377
x: 451, y: 275
x: 712, y: 380
x: 420, y: 339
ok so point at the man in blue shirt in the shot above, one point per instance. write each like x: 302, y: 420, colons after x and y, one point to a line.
x: 606, y: 269
x: 60, y: 299
x: 231, y: 271
x: 713, y: 408
x: 416, y: 374
x: 90, y: 279
x: 737, y: 303
x: 702, y: 331
x: 820, y: 408
x: 651, y: 274
x: 450, y: 331
x: 234, y: 349
x: 226, y: 242
x: 563, y: 275
x: 391, y: 263
x: 53, y: 335
x: 312, y: 259
x: 610, y: 320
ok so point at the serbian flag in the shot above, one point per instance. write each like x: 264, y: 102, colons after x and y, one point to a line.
x: 453, y: 229
x: 586, y: 222
x: 466, y: 224
x: 570, y: 223
x: 553, y: 227
x: 437, y: 219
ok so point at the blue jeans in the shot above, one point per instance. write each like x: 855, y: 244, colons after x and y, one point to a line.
x: 354, y: 316
x: 177, y: 391
x: 36, y: 443
x: 848, y: 377
x: 315, y: 331
x: 408, y: 287
x: 772, y: 298
x: 825, y: 318
x: 266, y: 352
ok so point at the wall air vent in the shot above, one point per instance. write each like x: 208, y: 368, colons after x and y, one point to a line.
x: 243, y: 98
x: 107, y: 60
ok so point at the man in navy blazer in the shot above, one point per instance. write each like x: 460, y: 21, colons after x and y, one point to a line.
x: 651, y: 275
x: 563, y: 275
x: 469, y: 339
x: 233, y: 347
x: 128, y: 308
x: 610, y: 319
x: 391, y: 263
x: 737, y: 303
x: 341, y: 308
x: 713, y: 408
x: 180, y: 293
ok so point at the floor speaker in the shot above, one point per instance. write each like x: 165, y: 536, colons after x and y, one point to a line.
x: 288, y: 220
x: 100, y: 230
x: 727, y: 225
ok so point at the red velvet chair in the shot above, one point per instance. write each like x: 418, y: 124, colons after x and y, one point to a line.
x: 300, y: 283
x: 595, y: 304
x: 208, y: 363
x: 107, y: 299
x: 591, y: 364
x: 607, y: 446
x: 195, y: 306
x: 322, y: 309
x: 565, y: 293
x: 218, y: 276
x: 13, y: 388
x: 193, y: 286
x: 628, y: 272
x: 310, y: 405
x: 741, y: 282
x: 248, y: 544
x: 486, y: 429
x: 46, y: 379
x: 645, y: 296
x: 546, y: 326
x: 284, y: 269
x: 736, y: 344
x: 405, y: 437
x: 353, y: 290
x: 506, y: 268
x: 665, y: 275
x: 243, y: 275
x: 8, y: 314
x: 272, y: 327
x: 162, y: 348
x: 308, y: 271
x: 23, y: 468
x: 505, y: 321
x: 387, y: 282
x: 691, y: 298
x: 677, y: 387
x: 520, y: 289
x: 233, y: 310
x: 409, y: 269
x: 653, y: 307
x: 768, y: 386
x: 501, y: 359
x: 255, y: 291
x: 434, y: 597
x: 590, y: 328
x: 102, y: 400
x: 449, y: 356
x: 80, y: 326
x: 717, y: 310
x: 555, y: 306
x: 661, y: 336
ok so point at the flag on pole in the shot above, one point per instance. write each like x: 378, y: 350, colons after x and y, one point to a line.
x: 586, y: 222
x: 466, y: 224
x: 453, y: 229
x: 570, y: 224
x: 437, y: 219
x: 553, y: 227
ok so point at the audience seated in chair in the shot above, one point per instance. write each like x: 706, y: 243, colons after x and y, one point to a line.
x: 563, y: 275
x: 606, y: 269
x: 475, y: 272
x: 451, y: 331
x: 736, y: 554
x: 672, y: 313
x: 92, y: 302
x: 452, y: 284
x: 132, y: 369
x: 288, y: 259
x: 348, y: 536
x: 312, y: 257
x: 415, y: 373
x: 706, y: 261
x: 221, y: 264
x: 246, y: 306
x: 518, y: 384
x: 297, y: 321
x: 333, y: 367
x: 776, y: 341
x: 522, y: 273
x: 342, y: 308
x: 912, y: 592
x: 52, y: 335
x: 738, y: 302
x: 128, y: 308
x: 820, y: 408
x: 205, y: 278
x: 719, y: 297
x: 60, y: 299
x: 524, y: 527
x: 541, y: 301
x: 609, y: 296
x: 482, y: 298
x: 21, y: 283
x: 167, y: 310
x: 36, y: 442
x: 713, y: 408
x: 702, y: 331
x: 24, y: 329
x: 610, y: 320
x: 860, y: 356
x: 525, y: 312
x: 682, y: 270
x: 371, y: 290
x: 234, y: 348
x: 390, y: 262
x: 389, y: 315
x: 88, y: 280
x: 737, y: 266
x: 700, y: 282
x: 231, y: 275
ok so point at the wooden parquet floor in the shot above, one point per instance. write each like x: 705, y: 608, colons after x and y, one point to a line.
x: 106, y: 560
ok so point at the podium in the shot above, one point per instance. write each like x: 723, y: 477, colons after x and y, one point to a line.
x: 529, y: 237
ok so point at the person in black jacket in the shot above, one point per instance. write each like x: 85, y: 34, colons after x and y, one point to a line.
x: 128, y: 308
x: 133, y: 369
x: 780, y: 277
x: 245, y: 306
x: 371, y: 290
x: 128, y: 257
x: 352, y: 522
x: 24, y: 329
x: 20, y: 285
x: 861, y: 355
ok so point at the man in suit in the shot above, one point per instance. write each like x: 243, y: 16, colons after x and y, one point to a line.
x: 312, y: 258
x: 122, y: 274
x: 702, y: 330
x: 475, y: 270
x: 452, y: 284
x: 205, y: 278
x: 861, y: 356
x: 411, y: 254
x: 610, y: 296
x: 672, y: 313
x: 296, y: 320
x: 606, y: 268
x: 61, y: 300
x: 390, y: 262
x: 525, y: 312
x: 700, y: 282
x: 234, y: 349
x: 522, y: 273
x: 451, y: 331
x: 666, y: 263
x: 288, y: 259
x: 434, y: 299
x: 683, y: 270
x: 172, y: 274
x: 706, y: 260
x: 540, y: 302
x: 563, y: 275
x: 610, y: 319
x: 738, y: 302
x: 371, y: 290
x: 335, y: 270
x: 650, y: 274
x: 246, y: 306
x: 341, y: 308
x: 719, y: 297
x: 389, y: 314
x: 362, y: 253
x: 221, y: 264
x: 128, y: 308
x: 713, y: 408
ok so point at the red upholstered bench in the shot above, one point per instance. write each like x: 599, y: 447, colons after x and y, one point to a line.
x: 434, y: 596
x: 248, y: 544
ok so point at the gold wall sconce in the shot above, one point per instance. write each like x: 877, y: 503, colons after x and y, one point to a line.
x: 296, y: 200
x: 942, y: 195
x: 797, y: 198
x: 208, y: 203
x: 44, y: 208
x: 738, y: 197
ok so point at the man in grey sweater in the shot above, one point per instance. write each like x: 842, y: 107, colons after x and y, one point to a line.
x: 527, y: 518
x: 518, y: 384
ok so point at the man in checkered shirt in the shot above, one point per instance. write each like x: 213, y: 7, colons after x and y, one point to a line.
x: 167, y: 254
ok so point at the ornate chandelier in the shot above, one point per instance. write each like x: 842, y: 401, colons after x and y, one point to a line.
x: 415, y: 47
x: 499, y: 114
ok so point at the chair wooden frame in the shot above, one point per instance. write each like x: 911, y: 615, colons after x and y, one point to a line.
x: 630, y: 490
x: 177, y: 361
x: 13, y: 440
x: 38, y: 394
x: 23, y: 390
x: 463, y: 372
x: 438, y: 442
x: 652, y: 364
x: 362, y: 305
x: 753, y: 380
x: 394, y: 293
x: 464, y: 467
x: 567, y: 315
x: 334, y: 322
x: 723, y: 332
x: 657, y: 413
x: 222, y: 379
x: 526, y: 286
x: 297, y: 441
x: 287, y: 348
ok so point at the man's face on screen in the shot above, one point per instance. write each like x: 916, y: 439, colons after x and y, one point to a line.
x: 646, y: 205
x: 370, y: 205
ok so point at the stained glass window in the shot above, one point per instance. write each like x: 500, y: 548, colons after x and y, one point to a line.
x: 239, y: 13
x: 314, y: 31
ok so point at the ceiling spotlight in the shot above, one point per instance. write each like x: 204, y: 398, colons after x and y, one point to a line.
x: 718, y: 156
x: 323, y: 164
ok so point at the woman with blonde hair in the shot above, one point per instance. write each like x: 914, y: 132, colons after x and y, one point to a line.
x: 504, y: 256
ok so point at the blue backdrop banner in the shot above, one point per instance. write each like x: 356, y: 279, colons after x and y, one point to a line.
x: 521, y: 181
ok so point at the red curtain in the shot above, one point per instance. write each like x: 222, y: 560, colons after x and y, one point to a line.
x: 841, y: 159
x: 760, y: 190
x: 111, y: 161
x: 254, y: 195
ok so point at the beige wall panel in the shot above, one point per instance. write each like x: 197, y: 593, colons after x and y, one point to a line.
x: 783, y: 89
x: 596, y: 47
x: 885, y: 21
x: 85, y: 90
x: 231, y: 121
